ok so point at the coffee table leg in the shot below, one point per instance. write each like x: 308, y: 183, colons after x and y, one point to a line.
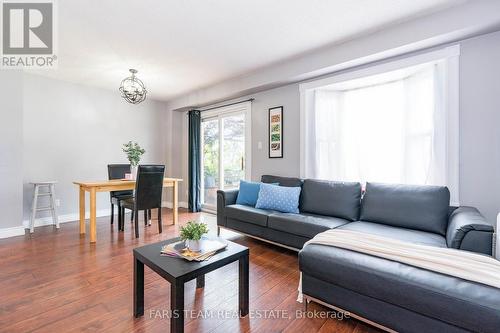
x: 138, y: 288
x: 177, y: 307
x: 243, y: 285
x: 200, y: 281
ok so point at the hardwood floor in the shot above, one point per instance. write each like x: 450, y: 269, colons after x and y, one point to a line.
x: 55, y: 281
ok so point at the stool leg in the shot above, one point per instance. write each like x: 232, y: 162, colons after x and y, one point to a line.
x: 113, y: 213
x: 55, y: 220
x: 33, y: 209
x: 145, y: 217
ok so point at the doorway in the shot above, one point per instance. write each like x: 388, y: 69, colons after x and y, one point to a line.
x: 226, y: 150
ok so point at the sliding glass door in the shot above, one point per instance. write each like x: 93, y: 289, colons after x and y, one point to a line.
x: 225, y: 140
x: 210, y: 160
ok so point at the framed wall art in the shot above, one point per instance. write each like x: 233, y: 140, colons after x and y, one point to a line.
x: 276, y: 132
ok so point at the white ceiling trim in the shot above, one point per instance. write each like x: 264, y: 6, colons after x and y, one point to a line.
x: 458, y: 23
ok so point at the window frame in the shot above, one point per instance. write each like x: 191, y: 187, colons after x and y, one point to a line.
x: 451, y: 56
x: 244, y: 108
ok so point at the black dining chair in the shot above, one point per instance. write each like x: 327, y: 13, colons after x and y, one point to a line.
x: 147, y: 195
x: 118, y: 171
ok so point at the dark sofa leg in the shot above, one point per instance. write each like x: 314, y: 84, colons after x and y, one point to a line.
x: 218, y: 231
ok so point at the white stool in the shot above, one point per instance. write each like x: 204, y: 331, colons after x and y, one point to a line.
x: 52, y: 202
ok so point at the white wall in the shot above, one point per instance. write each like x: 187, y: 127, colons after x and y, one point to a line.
x: 178, y: 152
x: 71, y: 132
x: 11, y: 148
x: 289, y: 165
x: 286, y: 96
x: 479, y: 123
x: 457, y: 23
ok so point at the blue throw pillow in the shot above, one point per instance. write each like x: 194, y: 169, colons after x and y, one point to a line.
x: 280, y: 198
x: 248, y: 193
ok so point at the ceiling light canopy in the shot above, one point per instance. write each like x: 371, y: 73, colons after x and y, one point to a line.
x: 133, y: 89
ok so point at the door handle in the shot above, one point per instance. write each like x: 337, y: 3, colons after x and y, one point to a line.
x: 242, y: 163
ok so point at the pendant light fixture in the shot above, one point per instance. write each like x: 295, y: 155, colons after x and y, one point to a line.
x: 133, y: 89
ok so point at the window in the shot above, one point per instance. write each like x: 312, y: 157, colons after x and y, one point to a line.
x: 226, y: 153
x: 391, y: 123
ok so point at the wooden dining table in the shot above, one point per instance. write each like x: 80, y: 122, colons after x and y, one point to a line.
x: 117, y: 185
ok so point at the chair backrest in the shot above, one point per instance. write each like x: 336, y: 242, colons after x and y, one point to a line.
x: 118, y: 171
x: 149, y: 186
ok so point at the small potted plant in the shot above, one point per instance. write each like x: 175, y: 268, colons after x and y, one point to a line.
x: 191, y: 234
x: 134, y: 153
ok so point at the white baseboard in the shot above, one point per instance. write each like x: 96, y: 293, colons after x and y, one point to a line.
x: 43, y: 221
x: 19, y: 230
x: 169, y: 204
x: 65, y: 218
x: 11, y: 232
x: 76, y: 216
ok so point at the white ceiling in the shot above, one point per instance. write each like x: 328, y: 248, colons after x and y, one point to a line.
x: 182, y: 45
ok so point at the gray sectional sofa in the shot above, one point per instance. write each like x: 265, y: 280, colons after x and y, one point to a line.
x: 389, y: 294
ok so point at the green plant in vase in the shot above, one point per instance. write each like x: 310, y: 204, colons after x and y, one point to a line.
x: 134, y: 153
x: 191, y: 234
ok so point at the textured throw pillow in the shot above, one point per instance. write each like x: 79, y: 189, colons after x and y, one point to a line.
x: 248, y: 193
x: 280, y: 198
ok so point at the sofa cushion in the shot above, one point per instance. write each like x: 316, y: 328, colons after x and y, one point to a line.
x: 307, y: 225
x: 248, y: 193
x: 402, y: 234
x: 282, y: 181
x: 281, y: 198
x: 408, y: 206
x: 339, y: 199
x: 465, y: 304
x: 276, y: 236
x: 248, y: 214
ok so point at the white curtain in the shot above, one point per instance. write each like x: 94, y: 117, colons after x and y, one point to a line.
x: 392, y: 131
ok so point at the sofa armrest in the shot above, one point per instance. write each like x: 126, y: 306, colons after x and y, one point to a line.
x: 225, y: 198
x: 469, y: 230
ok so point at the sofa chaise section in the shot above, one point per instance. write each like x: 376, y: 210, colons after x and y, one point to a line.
x: 396, y: 295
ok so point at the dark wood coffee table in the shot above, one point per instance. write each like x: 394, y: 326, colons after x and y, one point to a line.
x: 177, y: 271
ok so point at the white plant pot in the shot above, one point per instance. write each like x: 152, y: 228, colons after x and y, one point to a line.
x: 193, y: 245
x: 133, y: 171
